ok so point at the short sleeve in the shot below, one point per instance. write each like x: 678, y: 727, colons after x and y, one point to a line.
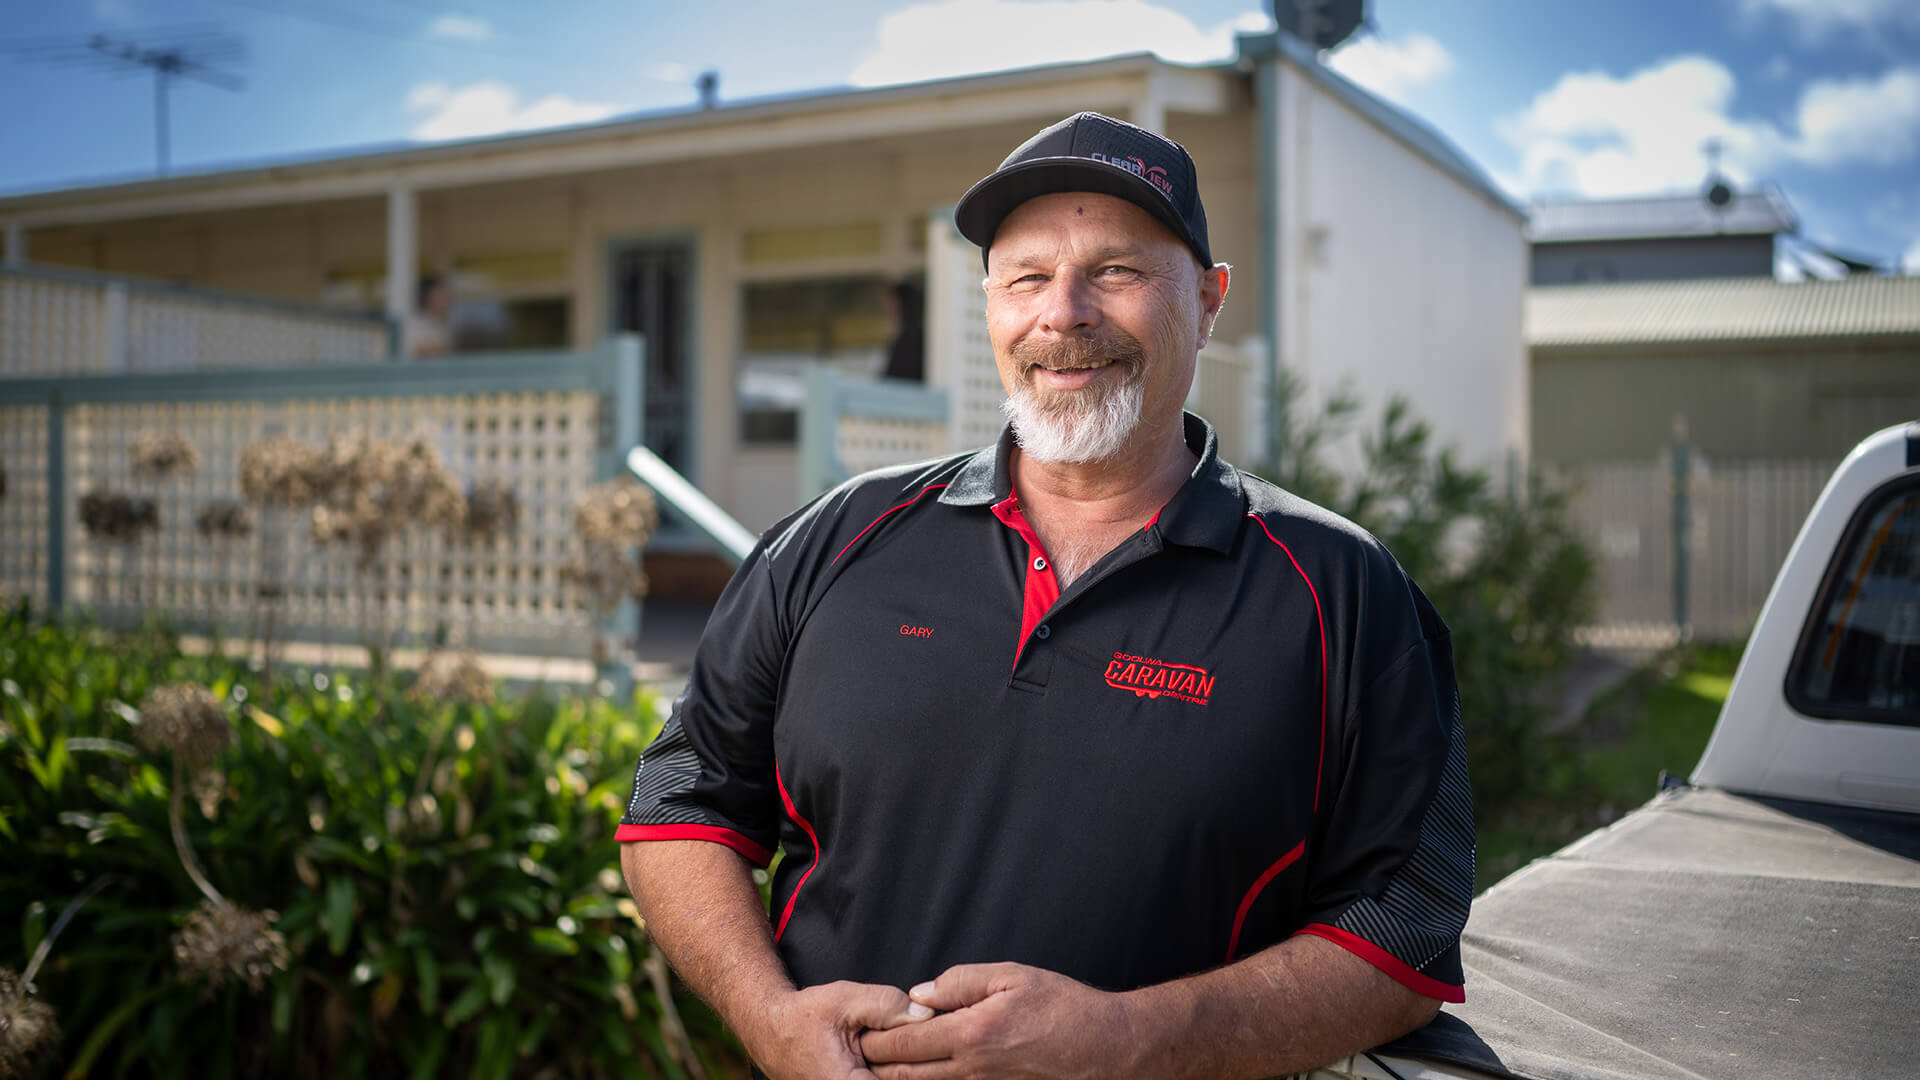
x: 709, y: 774
x: 1393, y: 878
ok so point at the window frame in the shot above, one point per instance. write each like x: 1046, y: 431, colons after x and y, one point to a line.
x: 1905, y: 483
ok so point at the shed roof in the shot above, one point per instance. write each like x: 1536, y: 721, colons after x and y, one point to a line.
x: 1721, y: 309
x: 1764, y: 212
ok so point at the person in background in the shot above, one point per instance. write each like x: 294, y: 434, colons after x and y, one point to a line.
x: 907, y: 356
x: 429, y: 331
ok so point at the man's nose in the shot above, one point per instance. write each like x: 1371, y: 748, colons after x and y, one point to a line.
x: 1070, y: 304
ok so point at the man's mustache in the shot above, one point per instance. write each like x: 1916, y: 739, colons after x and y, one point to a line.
x: 1116, y: 346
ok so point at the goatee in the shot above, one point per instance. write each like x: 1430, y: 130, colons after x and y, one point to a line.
x: 1074, y: 427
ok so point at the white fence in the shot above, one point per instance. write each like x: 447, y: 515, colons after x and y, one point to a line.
x: 545, y: 425
x: 1742, y: 518
x: 55, y: 321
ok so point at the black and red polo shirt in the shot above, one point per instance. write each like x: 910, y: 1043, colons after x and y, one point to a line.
x: 1239, y: 725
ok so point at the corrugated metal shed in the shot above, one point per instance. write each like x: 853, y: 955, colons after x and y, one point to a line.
x: 1723, y: 309
x: 1763, y: 212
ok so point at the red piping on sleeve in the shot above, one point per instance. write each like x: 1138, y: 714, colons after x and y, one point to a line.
x: 1373, y: 954
x: 1259, y: 884
x: 876, y: 521
x: 1321, y: 623
x: 812, y: 836
x: 760, y: 856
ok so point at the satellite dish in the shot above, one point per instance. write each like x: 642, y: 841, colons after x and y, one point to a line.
x: 1323, y: 23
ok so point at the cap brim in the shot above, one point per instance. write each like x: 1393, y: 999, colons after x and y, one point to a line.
x: 985, y: 205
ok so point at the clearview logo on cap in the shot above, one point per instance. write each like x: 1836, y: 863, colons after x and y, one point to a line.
x: 1154, y: 175
x: 1150, y: 678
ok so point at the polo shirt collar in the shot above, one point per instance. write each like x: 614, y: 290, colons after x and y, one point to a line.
x: 1205, y: 512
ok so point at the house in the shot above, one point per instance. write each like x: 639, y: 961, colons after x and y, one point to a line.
x: 752, y: 243
x: 1759, y: 369
x: 1718, y: 233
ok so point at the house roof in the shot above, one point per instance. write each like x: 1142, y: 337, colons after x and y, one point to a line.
x: 1751, y: 213
x: 1721, y: 309
x: 1417, y: 136
x: 788, y: 120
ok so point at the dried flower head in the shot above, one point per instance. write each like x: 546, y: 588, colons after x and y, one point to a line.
x: 209, y: 787
x: 276, y: 471
x: 26, y: 1025
x: 227, y: 518
x: 187, y: 719
x: 453, y: 676
x: 222, y: 942
x: 110, y: 515
x: 604, y: 576
x: 493, y: 509
x: 367, y: 490
x: 158, y: 454
x: 619, y: 514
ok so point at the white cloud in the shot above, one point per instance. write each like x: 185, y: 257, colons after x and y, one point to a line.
x: 961, y: 37
x: 1596, y: 134
x: 1910, y: 262
x: 460, y: 28
x: 489, y: 108
x: 1392, y: 69
x: 1872, y: 120
x: 1817, y: 18
x: 117, y: 12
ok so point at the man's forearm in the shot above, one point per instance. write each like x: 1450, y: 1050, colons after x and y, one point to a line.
x: 701, y: 906
x: 1296, y: 1005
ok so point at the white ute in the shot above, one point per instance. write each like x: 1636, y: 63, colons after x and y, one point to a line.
x: 1761, y: 919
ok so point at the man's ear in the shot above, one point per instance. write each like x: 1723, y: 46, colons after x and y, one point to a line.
x: 1214, y: 281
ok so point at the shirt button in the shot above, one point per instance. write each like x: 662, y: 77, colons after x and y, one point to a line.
x: 1044, y: 632
x: 1039, y: 563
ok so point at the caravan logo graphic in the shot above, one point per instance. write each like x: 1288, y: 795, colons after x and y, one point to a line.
x: 1150, y: 678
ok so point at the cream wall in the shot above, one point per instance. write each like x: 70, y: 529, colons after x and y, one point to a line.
x: 1397, y: 279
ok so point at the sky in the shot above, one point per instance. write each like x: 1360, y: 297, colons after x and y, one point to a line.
x: 1549, y: 97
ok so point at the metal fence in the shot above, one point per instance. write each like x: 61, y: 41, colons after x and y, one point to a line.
x: 1687, y: 548
x: 546, y: 424
x: 56, y: 321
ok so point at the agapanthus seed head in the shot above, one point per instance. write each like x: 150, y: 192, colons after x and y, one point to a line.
x: 27, y: 1025
x: 187, y: 719
x: 493, y: 509
x: 618, y: 514
x: 226, y: 518
x: 110, y: 515
x: 276, y: 471
x: 221, y: 942
x: 453, y: 676
x: 157, y: 454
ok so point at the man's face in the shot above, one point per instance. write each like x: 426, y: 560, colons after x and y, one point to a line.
x: 1095, y: 310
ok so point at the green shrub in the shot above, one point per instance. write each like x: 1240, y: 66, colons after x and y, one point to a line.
x: 1507, y: 572
x: 444, y: 876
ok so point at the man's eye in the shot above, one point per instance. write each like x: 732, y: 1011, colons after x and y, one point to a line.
x: 1117, y: 270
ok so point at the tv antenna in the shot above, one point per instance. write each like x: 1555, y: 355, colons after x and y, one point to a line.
x: 189, y: 52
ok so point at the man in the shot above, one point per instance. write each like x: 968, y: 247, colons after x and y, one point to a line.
x: 428, y: 330
x: 1125, y: 763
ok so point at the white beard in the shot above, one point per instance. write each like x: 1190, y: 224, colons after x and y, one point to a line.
x: 1079, y: 427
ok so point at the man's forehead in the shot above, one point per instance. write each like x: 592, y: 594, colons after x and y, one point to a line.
x: 1103, y: 224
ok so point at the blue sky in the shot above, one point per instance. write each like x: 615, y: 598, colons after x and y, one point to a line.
x: 1821, y: 97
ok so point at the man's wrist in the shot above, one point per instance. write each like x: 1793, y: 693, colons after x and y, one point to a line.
x: 1160, y: 1032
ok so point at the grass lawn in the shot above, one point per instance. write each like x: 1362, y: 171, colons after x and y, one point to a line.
x: 1658, y: 719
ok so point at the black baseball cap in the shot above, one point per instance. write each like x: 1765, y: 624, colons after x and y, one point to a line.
x: 1091, y: 152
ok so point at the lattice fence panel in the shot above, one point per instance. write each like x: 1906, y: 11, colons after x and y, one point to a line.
x: 957, y: 341
x: 183, y: 332
x: 23, y: 509
x: 870, y: 442
x: 498, y: 594
x: 50, y: 326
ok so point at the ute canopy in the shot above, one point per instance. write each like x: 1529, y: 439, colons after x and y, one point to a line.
x: 1704, y: 935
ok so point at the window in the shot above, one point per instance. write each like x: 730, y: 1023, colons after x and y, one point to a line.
x: 792, y: 326
x: 1859, y: 658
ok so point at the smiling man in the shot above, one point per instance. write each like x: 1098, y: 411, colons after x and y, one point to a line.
x: 1089, y: 754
